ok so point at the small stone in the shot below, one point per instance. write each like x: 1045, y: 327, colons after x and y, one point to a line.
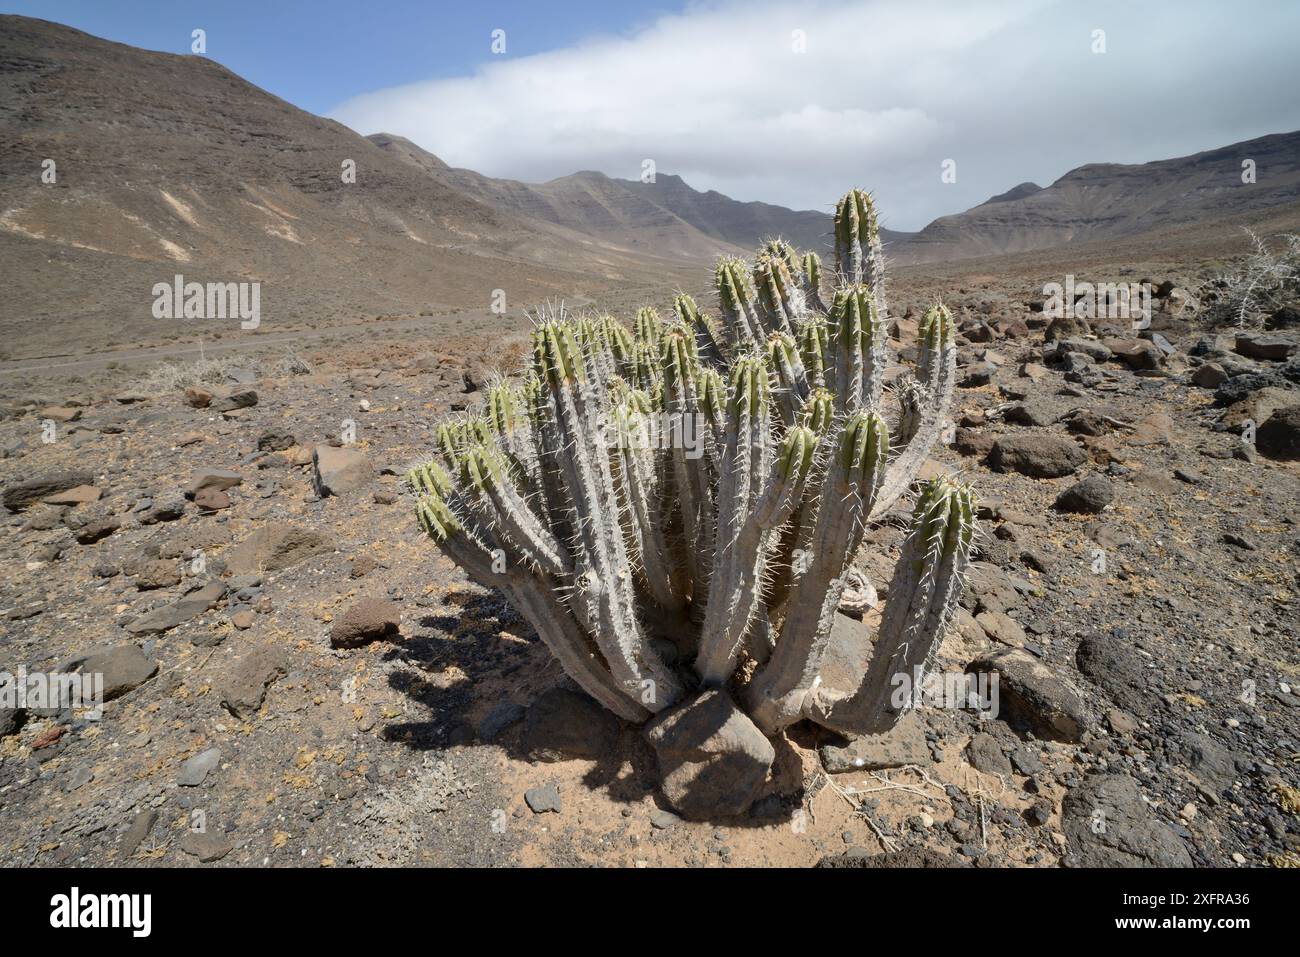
x: 340, y: 470
x: 713, y: 760
x: 662, y: 820
x: 978, y: 375
x: 218, y: 479
x: 1209, y: 375
x: 300, y: 455
x: 1001, y: 628
x: 275, y: 441
x: 77, y: 495
x: 1087, y: 422
x: 1036, y: 455
x: 544, y: 799
x: 207, y: 846
x: 1039, y: 813
x: 1066, y: 327
x: 1030, y: 693
x: 276, y: 546
x: 986, y: 755
x: 137, y: 832
x: 156, y: 573
x: 1268, y: 348
x: 370, y: 619
x: 122, y: 668
x: 178, y: 612
x: 44, y: 518
x: 33, y: 490
x: 211, y: 499
x: 903, y: 744
x: 78, y: 779
x: 59, y: 413
x: 1238, y: 541
x: 1136, y: 353
x: 1121, y: 722
x: 1087, y: 497
x: 1283, y: 317
x: 237, y: 399
x: 195, y: 770
x: 972, y: 442
x: 1028, y: 413
x: 1279, y: 436
x: 1155, y: 429
x: 167, y: 510
x: 244, y: 689
x: 96, y: 530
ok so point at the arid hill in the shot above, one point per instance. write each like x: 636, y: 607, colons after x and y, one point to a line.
x: 1103, y: 201
x: 168, y: 164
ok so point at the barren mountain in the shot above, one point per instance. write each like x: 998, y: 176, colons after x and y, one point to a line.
x: 666, y: 215
x: 123, y: 168
x: 166, y: 164
x: 1108, y: 200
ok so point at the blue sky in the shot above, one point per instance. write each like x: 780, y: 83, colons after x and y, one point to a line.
x: 785, y: 101
x: 317, y: 54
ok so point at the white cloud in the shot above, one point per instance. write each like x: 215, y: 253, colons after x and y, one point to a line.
x: 884, y: 93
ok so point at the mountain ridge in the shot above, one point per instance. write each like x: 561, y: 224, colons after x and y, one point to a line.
x: 166, y: 163
x: 172, y: 163
x: 1097, y: 201
x: 691, y: 222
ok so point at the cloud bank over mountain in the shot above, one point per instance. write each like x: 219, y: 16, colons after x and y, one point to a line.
x: 881, y: 94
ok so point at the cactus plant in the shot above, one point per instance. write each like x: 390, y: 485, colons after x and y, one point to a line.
x: 677, y: 505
